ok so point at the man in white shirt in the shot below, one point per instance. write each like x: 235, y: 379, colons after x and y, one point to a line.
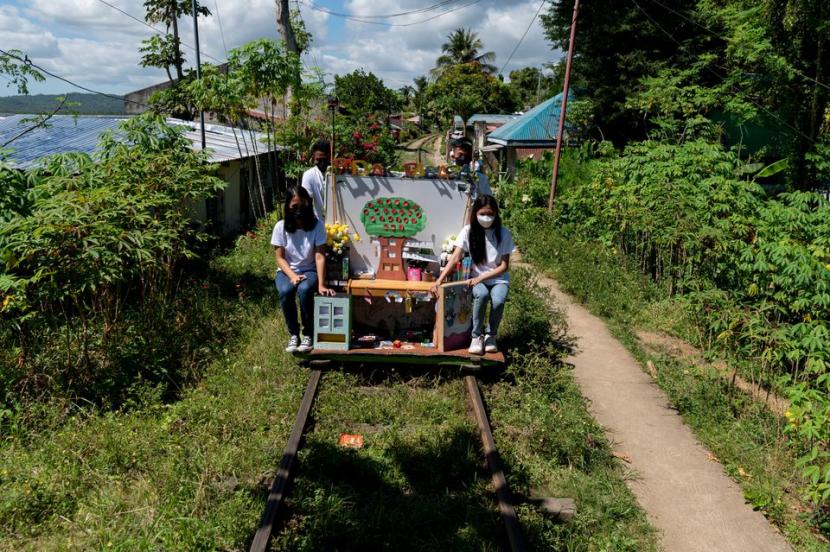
x: 462, y: 153
x: 314, y: 179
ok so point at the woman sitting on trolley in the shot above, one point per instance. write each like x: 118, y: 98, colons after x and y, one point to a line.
x: 299, y: 242
x: 489, y: 245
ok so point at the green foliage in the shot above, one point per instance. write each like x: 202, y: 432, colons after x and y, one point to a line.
x: 87, y: 238
x: 367, y: 139
x: 188, y: 474
x: 392, y: 216
x: 532, y: 86
x: 753, y: 273
x: 463, y: 47
x: 466, y: 89
x: 18, y: 72
x: 362, y: 93
x: 616, y: 46
x: 162, y: 51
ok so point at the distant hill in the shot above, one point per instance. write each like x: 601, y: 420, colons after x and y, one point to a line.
x: 90, y: 104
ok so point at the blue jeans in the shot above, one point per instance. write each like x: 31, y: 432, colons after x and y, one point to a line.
x: 288, y: 294
x: 482, y: 293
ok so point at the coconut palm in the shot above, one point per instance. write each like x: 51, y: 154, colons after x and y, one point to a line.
x: 464, y: 46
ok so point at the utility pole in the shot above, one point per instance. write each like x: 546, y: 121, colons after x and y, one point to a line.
x: 563, y: 105
x: 284, y: 26
x: 198, y: 67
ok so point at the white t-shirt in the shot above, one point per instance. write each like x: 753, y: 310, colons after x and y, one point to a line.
x: 314, y: 183
x: 299, y: 246
x: 493, y: 252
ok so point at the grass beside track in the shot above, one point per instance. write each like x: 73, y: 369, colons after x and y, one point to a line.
x: 193, y: 474
x: 740, y: 432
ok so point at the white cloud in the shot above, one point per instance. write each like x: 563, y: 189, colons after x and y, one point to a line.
x: 398, y: 54
x: 94, y: 44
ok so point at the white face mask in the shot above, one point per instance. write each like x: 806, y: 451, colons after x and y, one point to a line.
x: 485, y: 221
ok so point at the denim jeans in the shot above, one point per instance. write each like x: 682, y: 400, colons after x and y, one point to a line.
x: 288, y: 293
x: 482, y: 293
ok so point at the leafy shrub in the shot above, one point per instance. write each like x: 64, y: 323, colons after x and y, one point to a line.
x: 753, y: 271
x: 91, y: 261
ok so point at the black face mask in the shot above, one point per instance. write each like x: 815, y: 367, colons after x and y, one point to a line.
x: 461, y: 159
x: 323, y: 164
x: 297, y: 212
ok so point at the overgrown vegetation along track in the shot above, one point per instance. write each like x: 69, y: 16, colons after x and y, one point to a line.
x: 279, y: 487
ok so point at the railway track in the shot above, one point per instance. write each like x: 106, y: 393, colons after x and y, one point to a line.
x: 288, y: 464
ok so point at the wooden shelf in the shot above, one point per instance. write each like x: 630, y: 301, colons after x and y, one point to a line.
x: 365, y: 287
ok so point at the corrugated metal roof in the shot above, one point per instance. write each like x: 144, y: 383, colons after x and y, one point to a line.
x: 65, y: 134
x: 491, y: 119
x: 537, y: 127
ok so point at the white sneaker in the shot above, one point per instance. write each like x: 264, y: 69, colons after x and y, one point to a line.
x: 477, y: 346
x: 305, y: 345
x: 293, y: 343
x: 490, y: 344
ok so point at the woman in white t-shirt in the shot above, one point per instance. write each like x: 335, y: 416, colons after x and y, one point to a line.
x: 489, y: 245
x: 299, y: 242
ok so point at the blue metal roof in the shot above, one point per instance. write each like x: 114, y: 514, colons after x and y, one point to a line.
x: 491, y: 118
x: 66, y: 133
x: 535, y: 128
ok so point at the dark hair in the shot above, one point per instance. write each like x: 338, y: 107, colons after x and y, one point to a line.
x: 308, y: 220
x: 464, y: 143
x: 321, y: 145
x: 478, y: 249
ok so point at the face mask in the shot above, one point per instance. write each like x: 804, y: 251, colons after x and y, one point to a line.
x: 297, y: 212
x: 460, y: 159
x: 323, y: 164
x: 485, y: 221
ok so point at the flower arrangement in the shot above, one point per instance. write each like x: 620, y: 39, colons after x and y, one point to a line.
x: 446, y: 249
x: 338, y: 237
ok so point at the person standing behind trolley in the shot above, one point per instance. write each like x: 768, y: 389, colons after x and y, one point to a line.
x: 462, y: 154
x: 299, y: 242
x: 314, y: 179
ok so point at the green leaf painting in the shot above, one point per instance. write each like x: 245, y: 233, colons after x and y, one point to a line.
x: 389, y: 217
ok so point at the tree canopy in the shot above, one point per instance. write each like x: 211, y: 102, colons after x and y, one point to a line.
x: 361, y: 93
x: 463, y: 46
x: 465, y: 90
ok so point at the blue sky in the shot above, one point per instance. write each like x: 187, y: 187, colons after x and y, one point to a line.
x: 95, y: 45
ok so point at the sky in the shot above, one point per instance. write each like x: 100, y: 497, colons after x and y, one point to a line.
x: 93, y: 44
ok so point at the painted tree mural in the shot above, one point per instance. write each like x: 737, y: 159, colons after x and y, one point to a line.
x: 392, y: 220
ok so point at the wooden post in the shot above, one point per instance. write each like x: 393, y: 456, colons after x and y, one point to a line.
x: 563, y: 105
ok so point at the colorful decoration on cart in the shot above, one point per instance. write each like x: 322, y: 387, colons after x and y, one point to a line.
x: 338, y: 237
x: 392, y: 220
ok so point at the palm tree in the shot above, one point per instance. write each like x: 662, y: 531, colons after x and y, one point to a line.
x: 463, y: 46
x: 406, y: 92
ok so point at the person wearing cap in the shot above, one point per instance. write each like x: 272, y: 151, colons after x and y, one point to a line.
x: 462, y: 154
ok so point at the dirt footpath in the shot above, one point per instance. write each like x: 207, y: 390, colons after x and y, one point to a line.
x: 687, y: 496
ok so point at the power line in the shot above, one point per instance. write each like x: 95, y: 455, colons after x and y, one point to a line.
x: 358, y: 20
x: 155, y: 29
x: 723, y: 78
x: 390, y: 15
x: 725, y: 39
x: 30, y: 63
x: 523, y: 37
x: 221, y: 31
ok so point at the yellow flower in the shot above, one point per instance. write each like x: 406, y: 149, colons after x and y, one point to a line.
x: 357, y: 237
